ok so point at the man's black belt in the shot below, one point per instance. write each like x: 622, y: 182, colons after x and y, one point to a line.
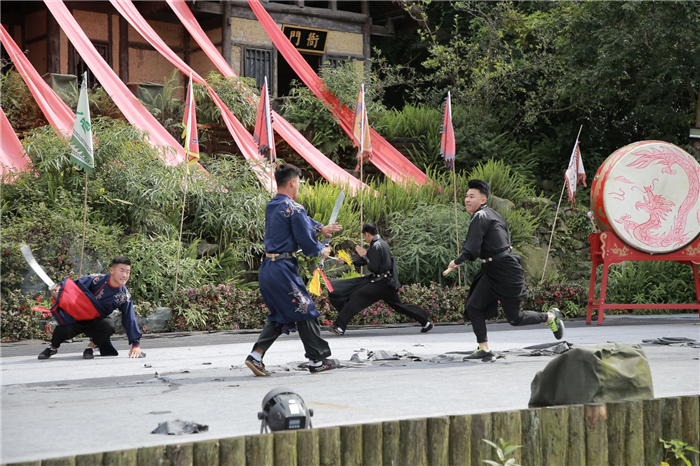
x: 497, y: 256
x: 277, y: 257
x: 379, y: 276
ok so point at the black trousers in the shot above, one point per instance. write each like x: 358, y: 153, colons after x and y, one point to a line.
x: 482, y: 303
x: 98, y: 329
x: 316, y: 348
x: 372, y: 292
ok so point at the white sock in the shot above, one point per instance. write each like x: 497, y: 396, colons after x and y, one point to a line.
x: 315, y: 363
x: 427, y: 324
x: 257, y: 356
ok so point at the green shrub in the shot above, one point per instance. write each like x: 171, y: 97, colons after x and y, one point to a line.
x: 423, y: 243
x: 571, y: 299
x: 421, y: 123
x: 310, y: 116
x: 504, y: 181
x: 18, y: 320
x: 650, y: 282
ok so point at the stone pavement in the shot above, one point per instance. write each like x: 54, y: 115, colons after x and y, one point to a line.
x: 67, y: 405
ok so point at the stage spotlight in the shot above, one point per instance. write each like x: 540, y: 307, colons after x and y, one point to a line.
x: 282, y: 409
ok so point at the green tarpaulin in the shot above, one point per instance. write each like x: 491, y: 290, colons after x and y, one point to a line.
x: 594, y: 374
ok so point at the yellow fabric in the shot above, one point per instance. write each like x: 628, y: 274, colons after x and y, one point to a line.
x: 345, y: 256
x: 315, y: 284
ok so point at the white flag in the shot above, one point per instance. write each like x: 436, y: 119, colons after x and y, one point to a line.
x: 575, y: 173
x: 82, y: 154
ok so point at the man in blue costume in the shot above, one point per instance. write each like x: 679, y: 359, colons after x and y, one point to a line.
x: 501, y: 277
x: 288, y: 228
x: 83, y: 306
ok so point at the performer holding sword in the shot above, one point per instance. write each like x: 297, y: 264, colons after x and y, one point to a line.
x: 288, y: 228
x: 84, y: 305
x: 501, y: 277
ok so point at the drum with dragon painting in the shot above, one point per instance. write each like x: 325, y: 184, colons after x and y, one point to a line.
x: 648, y: 194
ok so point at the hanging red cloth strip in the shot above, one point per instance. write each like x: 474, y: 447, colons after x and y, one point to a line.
x: 326, y: 167
x: 386, y: 158
x: 240, y: 135
x: 129, y: 105
x: 12, y: 156
x: 55, y: 110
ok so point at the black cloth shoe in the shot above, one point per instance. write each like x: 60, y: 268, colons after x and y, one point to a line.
x: 256, y: 366
x: 556, y: 325
x: 428, y: 328
x: 478, y: 354
x: 88, y: 353
x: 326, y: 365
x: 335, y: 330
x: 47, y: 353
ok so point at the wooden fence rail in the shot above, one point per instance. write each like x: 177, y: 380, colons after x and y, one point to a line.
x: 615, y: 434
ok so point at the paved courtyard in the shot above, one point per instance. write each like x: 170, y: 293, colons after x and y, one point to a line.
x: 115, y: 403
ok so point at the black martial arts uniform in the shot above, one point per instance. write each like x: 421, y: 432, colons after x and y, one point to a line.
x: 352, y: 295
x: 501, y: 277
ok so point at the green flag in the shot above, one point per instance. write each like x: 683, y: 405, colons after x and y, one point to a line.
x: 81, y: 143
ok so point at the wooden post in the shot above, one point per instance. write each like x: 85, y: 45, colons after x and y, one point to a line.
x: 671, y: 418
x: 596, y: 416
x: 366, y: 28
x: 690, y: 428
x: 653, y: 449
x: 530, y: 434
x: 412, y: 447
x: 226, y: 31
x: 285, y: 448
x: 329, y: 446
x: 150, y: 456
x: 206, y: 453
x: 391, y: 435
x: 119, y: 458
x: 67, y: 461
x: 307, y: 448
x: 439, y: 441
x: 576, y: 450
x: 180, y: 455
x: 372, y: 444
x: 53, y: 45
x: 89, y: 460
x: 482, y: 429
x: 259, y: 450
x: 460, y: 440
x: 231, y: 451
x: 123, y: 50
x: 507, y: 425
x: 350, y: 445
x: 555, y: 436
x: 634, y: 442
x: 617, y: 428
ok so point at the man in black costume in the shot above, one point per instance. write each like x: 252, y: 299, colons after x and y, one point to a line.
x: 501, y: 277
x: 352, y: 295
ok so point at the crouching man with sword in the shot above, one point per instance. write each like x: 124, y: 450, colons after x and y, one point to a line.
x: 84, y: 305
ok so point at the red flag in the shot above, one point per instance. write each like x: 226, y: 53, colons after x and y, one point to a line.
x: 263, y: 127
x: 360, y: 130
x: 575, y: 173
x: 189, y: 121
x: 448, y: 147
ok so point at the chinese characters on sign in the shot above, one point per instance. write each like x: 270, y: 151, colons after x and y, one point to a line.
x: 306, y: 39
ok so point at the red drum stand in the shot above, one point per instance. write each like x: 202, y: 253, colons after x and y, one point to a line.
x: 607, y: 248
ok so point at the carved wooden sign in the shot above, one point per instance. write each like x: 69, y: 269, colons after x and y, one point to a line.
x: 306, y: 39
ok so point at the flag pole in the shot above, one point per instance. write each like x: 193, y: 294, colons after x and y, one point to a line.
x: 454, y: 183
x: 362, y: 162
x: 82, y: 246
x: 556, y: 214
x: 182, y: 221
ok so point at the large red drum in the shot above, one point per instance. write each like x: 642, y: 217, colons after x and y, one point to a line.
x: 648, y: 193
